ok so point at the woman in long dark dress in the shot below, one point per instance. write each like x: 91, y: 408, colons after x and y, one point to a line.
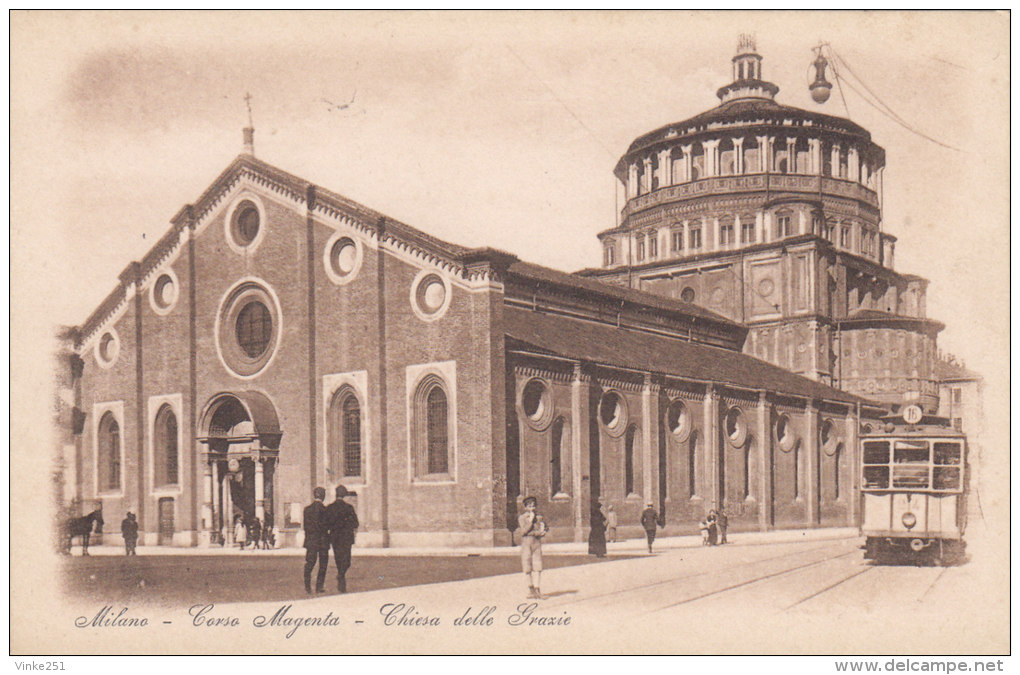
x: 713, y: 528
x: 597, y: 538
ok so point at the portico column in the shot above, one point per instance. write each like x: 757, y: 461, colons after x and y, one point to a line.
x: 260, y: 495
x: 632, y: 181
x: 646, y: 179
x: 217, y: 506
x: 711, y: 149
x: 763, y: 154
x: 665, y: 168
x: 764, y: 463
x: 688, y: 162
x: 738, y: 155
x: 834, y: 161
x: 815, y: 151
x: 853, y: 165
x: 207, y: 501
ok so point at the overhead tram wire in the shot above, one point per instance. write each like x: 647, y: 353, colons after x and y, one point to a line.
x: 887, y: 111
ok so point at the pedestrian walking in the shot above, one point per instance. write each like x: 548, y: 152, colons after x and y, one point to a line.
x: 533, y: 528
x: 612, y: 521
x: 255, y: 533
x: 240, y: 532
x: 342, y: 525
x: 129, y: 530
x: 649, y: 521
x: 316, y: 541
x: 597, y: 536
x: 722, y: 522
x: 705, y: 528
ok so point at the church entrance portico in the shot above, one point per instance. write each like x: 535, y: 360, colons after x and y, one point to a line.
x: 241, y: 434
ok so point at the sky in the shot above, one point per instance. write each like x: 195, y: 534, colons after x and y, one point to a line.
x: 495, y: 129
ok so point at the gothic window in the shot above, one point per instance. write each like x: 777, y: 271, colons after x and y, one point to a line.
x: 695, y: 237
x: 628, y: 460
x: 109, y: 453
x: 835, y: 471
x: 556, y: 458
x: 345, y: 459
x: 844, y: 236
x: 747, y: 232
x: 784, y: 225
x: 432, y: 429
x: 640, y: 254
x: 165, y: 443
x: 653, y: 246
x: 726, y: 235
x: 692, y: 463
x: 677, y: 240
x: 610, y: 255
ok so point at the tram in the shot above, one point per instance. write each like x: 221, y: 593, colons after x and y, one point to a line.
x: 914, y: 489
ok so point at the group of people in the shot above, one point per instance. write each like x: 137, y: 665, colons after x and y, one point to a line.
x: 713, y: 528
x: 252, y: 532
x: 333, y: 526
x: 604, y: 522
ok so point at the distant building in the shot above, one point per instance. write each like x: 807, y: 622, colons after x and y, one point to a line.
x: 772, y: 216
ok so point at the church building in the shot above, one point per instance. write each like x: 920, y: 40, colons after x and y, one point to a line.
x: 281, y: 337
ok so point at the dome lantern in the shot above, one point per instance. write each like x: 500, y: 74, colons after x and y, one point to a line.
x: 747, y: 78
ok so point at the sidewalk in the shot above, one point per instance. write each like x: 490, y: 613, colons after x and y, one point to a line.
x: 626, y: 547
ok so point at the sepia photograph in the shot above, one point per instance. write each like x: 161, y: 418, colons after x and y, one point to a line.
x: 517, y: 333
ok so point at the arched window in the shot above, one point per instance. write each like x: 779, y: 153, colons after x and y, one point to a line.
x: 628, y: 459
x: 165, y: 445
x: 835, y: 471
x: 747, y: 468
x: 344, y: 431
x: 556, y: 458
x: 436, y: 412
x: 109, y: 453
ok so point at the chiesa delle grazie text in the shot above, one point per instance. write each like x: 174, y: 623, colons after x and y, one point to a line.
x: 745, y: 326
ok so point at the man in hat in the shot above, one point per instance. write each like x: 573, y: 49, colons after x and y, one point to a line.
x: 342, y: 524
x: 533, y: 528
x: 129, y: 530
x: 649, y: 521
x: 316, y: 541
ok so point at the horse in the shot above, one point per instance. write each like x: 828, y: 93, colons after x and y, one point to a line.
x: 82, y: 527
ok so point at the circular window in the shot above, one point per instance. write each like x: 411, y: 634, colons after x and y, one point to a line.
x: 108, y: 347
x: 829, y: 436
x: 736, y: 427
x: 687, y: 295
x: 245, y: 223
x: 248, y: 328
x: 164, y: 293
x: 766, y: 286
x: 430, y: 296
x: 535, y: 404
x: 342, y: 258
x: 784, y: 434
x: 678, y: 420
x: 718, y: 296
x: 613, y: 413
x: 254, y: 329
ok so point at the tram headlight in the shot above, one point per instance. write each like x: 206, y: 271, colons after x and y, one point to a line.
x: 909, y: 520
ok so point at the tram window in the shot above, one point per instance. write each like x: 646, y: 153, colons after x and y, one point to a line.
x: 876, y: 452
x: 947, y: 454
x: 946, y: 478
x: 876, y: 477
x: 911, y: 452
x: 910, y: 476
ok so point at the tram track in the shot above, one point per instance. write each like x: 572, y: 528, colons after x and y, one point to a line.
x: 828, y: 588
x: 755, y: 580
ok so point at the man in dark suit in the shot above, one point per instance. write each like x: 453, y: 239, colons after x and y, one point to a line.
x: 316, y: 541
x: 342, y: 523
